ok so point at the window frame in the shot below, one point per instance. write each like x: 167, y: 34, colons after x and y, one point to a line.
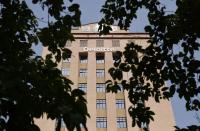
x: 100, y: 87
x: 101, y: 104
x: 83, y: 73
x: 100, y: 73
x: 99, y: 43
x: 101, y: 122
x: 65, y: 71
x: 115, y: 43
x: 120, y: 103
x: 100, y: 58
x: 83, y: 43
x: 82, y: 56
x: 121, y: 122
x: 83, y: 87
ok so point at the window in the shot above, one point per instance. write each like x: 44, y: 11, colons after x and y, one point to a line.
x: 83, y: 73
x: 99, y: 58
x: 68, y: 60
x: 101, y: 103
x: 83, y: 57
x: 100, y: 72
x: 83, y: 87
x: 101, y: 87
x: 121, y: 122
x: 99, y: 43
x: 101, y: 122
x: 115, y: 43
x: 116, y: 55
x: 65, y: 72
x: 68, y: 44
x: 83, y: 43
x: 120, y: 104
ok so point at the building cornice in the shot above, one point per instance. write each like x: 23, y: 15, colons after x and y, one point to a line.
x: 118, y: 35
x: 78, y: 37
x: 96, y: 33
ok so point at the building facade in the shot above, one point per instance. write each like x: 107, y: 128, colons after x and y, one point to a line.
x: 88, y: 69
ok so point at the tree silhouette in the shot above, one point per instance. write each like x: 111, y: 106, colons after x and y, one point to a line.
x: 171, y: 56
x: 30, y: 85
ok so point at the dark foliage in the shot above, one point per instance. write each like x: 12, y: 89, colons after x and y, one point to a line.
x: 31, y: 86
x: 171, y: 55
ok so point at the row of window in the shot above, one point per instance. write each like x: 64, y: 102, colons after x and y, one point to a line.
x: 99, y: 72
x: 99, y: 43
x: 83, y: 72
x: 101, y: 104
x: 100, y: 57
x: 83, y: 58
x: 100, y: 87
x: 101, y: 122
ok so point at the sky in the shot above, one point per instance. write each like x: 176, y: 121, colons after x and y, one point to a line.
x: 91, y: 13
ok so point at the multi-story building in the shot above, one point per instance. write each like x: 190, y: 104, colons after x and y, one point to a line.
x: 88, y: 69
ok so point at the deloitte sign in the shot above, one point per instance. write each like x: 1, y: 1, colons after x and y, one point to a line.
x: 98, y: 49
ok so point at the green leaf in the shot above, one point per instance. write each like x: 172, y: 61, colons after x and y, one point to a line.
x: 172, y: 90
x: 164, y: 88
x: 66, y: 54
x: 73, y: 7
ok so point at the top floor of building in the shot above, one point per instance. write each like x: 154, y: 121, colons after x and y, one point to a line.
x: 90, y: 31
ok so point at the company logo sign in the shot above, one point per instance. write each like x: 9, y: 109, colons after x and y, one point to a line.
x: 98, y: 49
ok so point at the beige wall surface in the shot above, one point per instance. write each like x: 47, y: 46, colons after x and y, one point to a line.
x: 45, y: 124
x: 164, y: 119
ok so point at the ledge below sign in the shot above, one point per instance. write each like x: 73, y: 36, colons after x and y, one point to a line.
x: 98, y: 49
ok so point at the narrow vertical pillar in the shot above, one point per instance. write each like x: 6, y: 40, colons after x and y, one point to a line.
x: 110, y: 97
x: 91, y: 92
